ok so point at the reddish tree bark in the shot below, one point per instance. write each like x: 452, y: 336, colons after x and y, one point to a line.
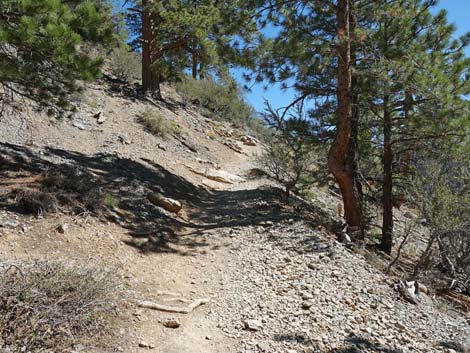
x: 150, y: 78
x: 338, y: 161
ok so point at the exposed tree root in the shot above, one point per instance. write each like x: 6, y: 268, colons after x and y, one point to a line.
x: 173, y: 309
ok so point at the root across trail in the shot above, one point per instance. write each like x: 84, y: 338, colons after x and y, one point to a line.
x: 173, y: 309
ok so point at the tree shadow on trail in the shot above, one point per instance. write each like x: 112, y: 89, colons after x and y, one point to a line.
x: 130, y: 182
x: 357, y: 344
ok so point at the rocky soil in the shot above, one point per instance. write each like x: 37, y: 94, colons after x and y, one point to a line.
x: 295, y: 290
x: 277, y: 280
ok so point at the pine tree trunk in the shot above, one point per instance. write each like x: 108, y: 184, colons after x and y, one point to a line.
x: 387, y: 191
x: 338, y: 160
x: 407, y: 157
x: 354, y: 144
x: 194, y: 63
x: 150, y: 78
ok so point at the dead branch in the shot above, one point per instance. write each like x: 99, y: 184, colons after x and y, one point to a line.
x: 173, y: 309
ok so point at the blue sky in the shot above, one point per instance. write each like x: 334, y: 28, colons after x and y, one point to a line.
x: 457, y: 12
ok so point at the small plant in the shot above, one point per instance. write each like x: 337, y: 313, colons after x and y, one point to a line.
x: 51, y: 305
x: 221, y: 100
x: 158, y: 124
x: 125, y: 64
x: 36, y: 202
x: 110, y: 201
x: 289, y: 153
x: 441, y: 192
x: 211, y: 134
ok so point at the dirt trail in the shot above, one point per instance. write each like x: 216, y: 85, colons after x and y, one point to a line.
x: 200, y: 274
x: 232, y: 243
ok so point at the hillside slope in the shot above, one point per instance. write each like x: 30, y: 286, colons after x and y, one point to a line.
x: 276, y: 279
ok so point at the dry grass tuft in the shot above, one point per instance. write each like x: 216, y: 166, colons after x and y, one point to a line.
x: 51, y: 305
x: 158, y: 124
x: 36, y: 202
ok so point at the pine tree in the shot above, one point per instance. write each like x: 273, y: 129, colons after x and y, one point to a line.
x: 415, y: 75
x: 312, y: 54
x: 44, y: 48
x: 178, y: 35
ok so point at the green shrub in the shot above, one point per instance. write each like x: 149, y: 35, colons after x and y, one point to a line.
x: 219, y: 100
x: 158, y: 124
x: 125, y: 64
x: 110, y: 201
x: 50, y: 305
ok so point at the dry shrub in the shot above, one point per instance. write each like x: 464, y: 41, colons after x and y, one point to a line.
x: 48, y: 304
x: 158, y: 124
x: 93, y: 200
x: 221, y: 100
x: 36, y: 202
x: 53, y: 179
x: 441, y: 192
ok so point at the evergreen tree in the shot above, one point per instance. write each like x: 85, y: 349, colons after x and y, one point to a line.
x: 178, y: 35
x: 44, y: 48
x: 312, y: 54
x: 415, y: 75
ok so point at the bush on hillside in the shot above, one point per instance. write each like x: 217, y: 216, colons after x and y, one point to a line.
x: 157, y: 124
x: 62, y: 189
x: 220, y: 100
x: 441, y: 190
x: 125, y: 64
x: 50, y: 305
x: 289, y: 154
x: 36, y: 202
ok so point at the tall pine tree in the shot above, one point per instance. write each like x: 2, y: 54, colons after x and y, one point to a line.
x: 44, y: 48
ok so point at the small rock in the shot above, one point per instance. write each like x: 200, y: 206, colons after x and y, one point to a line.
x: 144, y: 344
x: 62, y: 228
x: 172, y: 323
x: 264, y: 347
x: 253, y: 325
x: 78, y: 347
x: 307, y: 304
x: 78, y: 126
x: 248, y: 141
x: 100, y: 118
x: 123, y: 139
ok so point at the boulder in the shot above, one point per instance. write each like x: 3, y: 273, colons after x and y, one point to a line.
x: 223, y: 177
x: 220, y: 176
x: 167, y: 203
x: 248, y: 140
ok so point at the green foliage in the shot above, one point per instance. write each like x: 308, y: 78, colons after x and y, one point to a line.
x: 110, y: 201
x: 203, y: 36
x: 44, y: 47
x: 125, y: 64
x: 50, y: 305
x: 158, y: 125
x: 219, y: 100
x: 409, y: 76
x: 441, y: 191
x: 289, y: 156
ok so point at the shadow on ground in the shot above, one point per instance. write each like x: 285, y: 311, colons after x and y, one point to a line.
x: 352, y: 344
x: 357, y: 344
x: 130, y: 182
